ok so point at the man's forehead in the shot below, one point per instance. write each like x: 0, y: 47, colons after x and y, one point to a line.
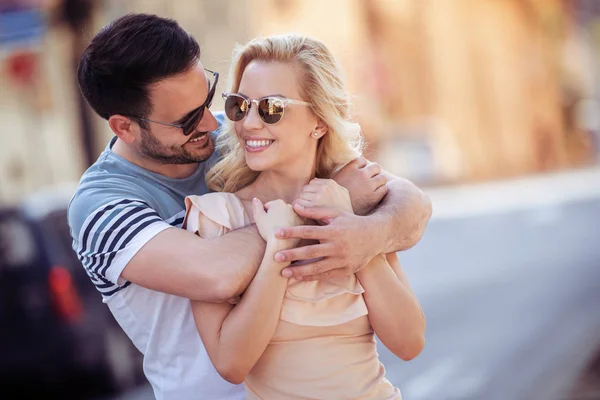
x: 181, y: 93
x: 189, y: 81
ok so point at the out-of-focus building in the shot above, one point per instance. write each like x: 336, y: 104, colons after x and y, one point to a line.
x: 466, y: 90
x: 478, y: 87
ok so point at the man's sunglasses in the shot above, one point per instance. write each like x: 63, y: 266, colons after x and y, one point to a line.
x: 188, y: 126
x: 270, y: 108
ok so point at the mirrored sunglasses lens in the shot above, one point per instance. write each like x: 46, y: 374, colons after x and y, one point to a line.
x: 270, y: 110
x: 236, y: 108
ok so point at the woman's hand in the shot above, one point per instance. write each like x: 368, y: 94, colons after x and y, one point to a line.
x: 365, y: 182
x: 325, y: 193
x: 273, y: 216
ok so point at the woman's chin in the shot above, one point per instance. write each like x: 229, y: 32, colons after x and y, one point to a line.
x: 257, y: 166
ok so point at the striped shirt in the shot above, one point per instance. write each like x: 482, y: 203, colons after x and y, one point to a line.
x: 117, y: 208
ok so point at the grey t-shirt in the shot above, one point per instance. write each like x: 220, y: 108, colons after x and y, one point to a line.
x: 116, y: 204
x: 117, y: 208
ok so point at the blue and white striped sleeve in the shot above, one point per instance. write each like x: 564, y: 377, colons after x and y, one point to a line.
x: 108, y: 237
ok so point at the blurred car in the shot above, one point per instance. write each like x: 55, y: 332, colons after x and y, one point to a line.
x: 56, y: 335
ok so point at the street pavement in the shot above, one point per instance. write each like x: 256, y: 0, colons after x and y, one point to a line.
x: 508, y: 275
x: 512, y: 302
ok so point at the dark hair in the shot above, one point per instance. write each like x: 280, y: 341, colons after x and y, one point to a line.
x: 127, y: 56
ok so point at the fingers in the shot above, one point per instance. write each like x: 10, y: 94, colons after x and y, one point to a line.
x: 304, y: 203
x: 311, y: 252
x: 312, y: 187
x: 316, y: 213
x: 379, y: 180
x: 268, y: 205
x: 258, y: 208
x: 317, y: 185
x: 306, y: 232
x: 381, y: 191
x: 372, y: 169
x: 308, y: 196
x: 273, y: 203
x: 318, y: 181
x: 360, y: 162
x: 322, y: 269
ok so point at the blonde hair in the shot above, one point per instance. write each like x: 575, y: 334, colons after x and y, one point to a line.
x: 321, y: 85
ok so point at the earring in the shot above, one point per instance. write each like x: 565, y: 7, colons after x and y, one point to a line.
x: 316, y: 134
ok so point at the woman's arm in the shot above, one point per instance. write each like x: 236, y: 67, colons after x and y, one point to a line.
x: 236, y: 337
x: 394, y: 312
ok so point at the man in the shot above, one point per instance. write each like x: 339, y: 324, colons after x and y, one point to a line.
x: 142, y: 74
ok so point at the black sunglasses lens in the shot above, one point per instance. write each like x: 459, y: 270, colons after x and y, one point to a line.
x: 236, y: 107
x: 270, y: 110
x: 210, y: 97
x: 190, y: 125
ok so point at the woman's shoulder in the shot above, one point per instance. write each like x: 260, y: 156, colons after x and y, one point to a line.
x: 223, y: 209
x: 245, y: 196
x: 214, y: 201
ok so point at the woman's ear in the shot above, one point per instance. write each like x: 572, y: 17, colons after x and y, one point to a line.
x: 320, y: 130
x: 124, y: 128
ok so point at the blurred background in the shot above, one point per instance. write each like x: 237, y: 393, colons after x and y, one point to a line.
x: 491, y: 106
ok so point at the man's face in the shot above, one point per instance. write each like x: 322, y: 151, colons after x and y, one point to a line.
x: 172, y: 100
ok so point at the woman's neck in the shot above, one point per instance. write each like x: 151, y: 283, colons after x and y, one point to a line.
x: 285, y: 185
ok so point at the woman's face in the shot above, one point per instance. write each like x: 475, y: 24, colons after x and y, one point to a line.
x: 288, y: 145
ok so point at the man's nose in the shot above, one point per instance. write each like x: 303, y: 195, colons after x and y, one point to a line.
x: 208, y: 122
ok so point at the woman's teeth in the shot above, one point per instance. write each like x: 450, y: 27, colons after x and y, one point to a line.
x: 258, y: 143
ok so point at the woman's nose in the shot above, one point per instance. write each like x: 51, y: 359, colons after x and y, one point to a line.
x: 252, y: 119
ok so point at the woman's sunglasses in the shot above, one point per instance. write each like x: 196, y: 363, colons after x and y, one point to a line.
x: 270, y: 108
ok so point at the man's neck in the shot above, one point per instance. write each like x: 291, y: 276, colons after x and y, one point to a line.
x: 174, y: 171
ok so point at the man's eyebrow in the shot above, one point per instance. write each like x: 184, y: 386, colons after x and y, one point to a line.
x: 189, y: 114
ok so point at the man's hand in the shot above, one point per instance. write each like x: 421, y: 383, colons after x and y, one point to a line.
x: 365, y: 182
x: 346, y: 244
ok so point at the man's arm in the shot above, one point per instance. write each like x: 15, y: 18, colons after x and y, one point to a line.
x: 397, y: 208
x: 348, y: 241
x: 120, y: 239
x: 178, y: 262
x: 400, y: 219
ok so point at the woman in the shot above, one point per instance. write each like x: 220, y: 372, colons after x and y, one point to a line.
x: 291, y: 339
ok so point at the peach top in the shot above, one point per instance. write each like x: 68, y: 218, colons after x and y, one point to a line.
x: 323, y: 347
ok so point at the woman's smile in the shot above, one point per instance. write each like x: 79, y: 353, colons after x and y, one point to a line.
x: 257, y: 145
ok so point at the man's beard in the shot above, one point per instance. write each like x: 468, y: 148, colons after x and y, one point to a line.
x: 152, y: 149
